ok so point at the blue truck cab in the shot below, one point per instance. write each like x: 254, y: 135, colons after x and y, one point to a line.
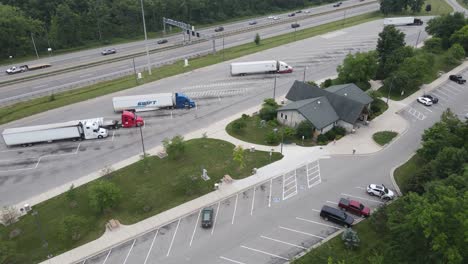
x: 183, y: 101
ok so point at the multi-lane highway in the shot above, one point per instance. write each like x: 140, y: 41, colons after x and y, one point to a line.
x: 43, y: 86
x: 26, y: 172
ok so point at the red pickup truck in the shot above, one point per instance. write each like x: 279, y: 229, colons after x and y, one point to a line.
x: 354, y: 207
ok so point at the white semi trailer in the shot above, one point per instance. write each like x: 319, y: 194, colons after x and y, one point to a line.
x: 150, y: 102
x: 402, y: 21
x: 253, y: 67
x: 73, y: 130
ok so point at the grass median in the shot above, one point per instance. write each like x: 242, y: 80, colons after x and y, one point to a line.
x: 148, y: 187
x: 35, y: 106
x: 384, y: 137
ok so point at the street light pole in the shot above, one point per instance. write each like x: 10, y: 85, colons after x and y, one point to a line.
x: 274, y: 89
x: 146, y: 37
x: 223, y: 47
x: 142, y: 142
x: 305, y: 68
x: 390, y: 89
x: 39, y: 228
x: 34, y: 44
x: 134, y: 70
x: 282, y: 138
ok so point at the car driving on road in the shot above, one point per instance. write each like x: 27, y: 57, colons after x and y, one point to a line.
x: 108, y: 51
x: 219, y: 29
x: 253, y: 23
x: 425, y: 101
x: 162, y: 41
x: 380, y: 191
x: 354, y: 207
x: 295, y: 25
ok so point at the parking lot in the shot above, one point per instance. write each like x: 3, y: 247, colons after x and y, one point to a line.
x: 275, y: 242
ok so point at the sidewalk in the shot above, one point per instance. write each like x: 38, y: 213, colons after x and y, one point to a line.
x: 294, y: 156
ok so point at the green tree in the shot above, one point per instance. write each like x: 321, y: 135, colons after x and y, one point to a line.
x: 65, y: 27
x: 238, y: 125
x: 304, y: 129
x: 103, y: 195
x: 433, y: 45
x: 350, y: 238
x: 268, y: 113
x: 455, y: 54
x: 358, y: 68
x: 174, y: 147
x: 392, y: 6
x: 395, y: 59
x: 444, y: 26
x: 450, y: 160
x: 238, y: 155
x: 288, y: 133
x: 461, y: 37
x: 272, y: 138
x: 390, y: 40
x: 257, y: 39
x: 72, y: 227
x: 416, y: 5
x: 270, y: 102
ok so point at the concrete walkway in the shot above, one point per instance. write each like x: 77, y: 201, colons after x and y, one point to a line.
x: 294, y: 156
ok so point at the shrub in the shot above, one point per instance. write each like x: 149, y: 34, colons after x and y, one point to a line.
x: 304, y: 129
x: 322, y: 139
x: 273, y: 123
x: 175, y: 147
x: 341, y: 131
x: 268, y: 112
x: 288, y: 133
x: 245, y: 117
x: 238, y: 125
x: 272, y: 138
x: 327, y: 83
x: 330, y: 135
x: 433, y: 45
x: 103, y: 194
x: 270, y: 102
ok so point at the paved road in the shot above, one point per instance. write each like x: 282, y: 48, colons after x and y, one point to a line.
x: 92, y: 55
x: 457, y: 7
x: 26, y: 172
x: 275, y: 220
x: 44, y: 86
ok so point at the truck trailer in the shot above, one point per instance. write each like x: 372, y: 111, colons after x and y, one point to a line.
x: 73, y: 130
x: 253, y: 67
x: 150, y: 102
x: 403, y: 21
x: 24, y: 68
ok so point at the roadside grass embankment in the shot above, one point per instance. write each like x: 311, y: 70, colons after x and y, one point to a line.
x: 148, y: 187
x: 53, y: 101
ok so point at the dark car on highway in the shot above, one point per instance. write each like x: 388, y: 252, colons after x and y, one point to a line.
x: 207, y: 218
x: 295, y: 25
x: 292, y: 14
x: 253, y: 23
x: 431, y: 97
x: 336, y: 215
x: 354, y: 207
x: 108, y: 51
x: 162, y: 41
x: 457, y: 78
x: 219, y: 29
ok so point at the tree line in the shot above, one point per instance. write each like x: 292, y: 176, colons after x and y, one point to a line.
x: 63, y: 24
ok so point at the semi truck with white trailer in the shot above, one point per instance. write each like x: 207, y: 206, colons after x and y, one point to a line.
x: 150, y: 102
x: 72, y: 130
x: 255, y: 67
x: 24, y: 68
x: 403, y: 21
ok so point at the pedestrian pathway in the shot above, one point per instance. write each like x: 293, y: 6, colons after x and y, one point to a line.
x: 361, y: 141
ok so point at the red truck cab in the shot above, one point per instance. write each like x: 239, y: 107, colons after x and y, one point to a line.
x: 354, y: 207
x: 130, y: 119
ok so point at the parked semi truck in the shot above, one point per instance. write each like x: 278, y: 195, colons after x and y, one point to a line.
x: 128, y: 119
x: 149, y: 102
x: 402, y: 21
x: 73, y: 130
x: 24, y: 68
x: 272, y: 66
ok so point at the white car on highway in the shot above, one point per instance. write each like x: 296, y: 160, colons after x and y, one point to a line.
x: 425, y: 101
x: 380, y: 191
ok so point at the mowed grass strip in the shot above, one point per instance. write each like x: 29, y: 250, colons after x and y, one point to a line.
x: 161, y: 184
x: 403, y: 173
x: 384, y: 137
x: 39, y: 105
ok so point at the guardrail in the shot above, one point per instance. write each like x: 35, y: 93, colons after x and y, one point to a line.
x: 128, y: 72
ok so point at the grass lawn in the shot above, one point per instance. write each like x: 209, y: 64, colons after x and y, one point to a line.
x: 160, y: 184
x: 439, y: 7
x: 384, y: 137
x: 407, y: 170
x: 253, y: 132
x: 24, y: 109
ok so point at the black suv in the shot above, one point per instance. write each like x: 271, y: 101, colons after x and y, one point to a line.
x: 292, y: 14
x: 219, y: 29
x: 295, y: 25
x: 431, y: 97
x: 457, y: 78
x: 336, y: 215
x: 207, y: 218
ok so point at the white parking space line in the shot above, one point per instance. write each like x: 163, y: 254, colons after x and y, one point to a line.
x: 300, y: 232
x: 315, y: 210
x: 359, y: 187
x: 173, y: 237
x: 449, y: 91
x: 231, y: 260
x: 235, y: 208
x: 107, y: 256
x: 283, y: 242
x: 289, y: 192
x: 215, y: 218
x: 458, y: 89
x: 449, y: 96
x: 195, y: 228
x: 130, y: 250
x: 370, y: 200
x: 253, y: 201
x: 313, y: 174
x: 151, y: 247
x: 264, y: 252
x: 318, y: 223
x: 269, y: 196
x: 332, y: 202
x: 427, y: 109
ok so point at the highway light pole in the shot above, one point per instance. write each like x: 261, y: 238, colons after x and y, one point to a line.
x: 142, y: 142
x: 274, y: 89
x: 223, y: 47
x: 39, y: 228
x: 305, y: 68
x: 146, y: 37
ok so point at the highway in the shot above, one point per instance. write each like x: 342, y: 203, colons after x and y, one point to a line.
x: 457, y: 7
x: 80, y: 77
x: 27, y: 172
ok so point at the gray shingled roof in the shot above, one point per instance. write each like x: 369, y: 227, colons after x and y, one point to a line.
x: 317, y: 110
x: 346, y: 102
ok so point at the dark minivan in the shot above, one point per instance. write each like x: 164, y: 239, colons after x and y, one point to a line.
x: 336, y: 215
x: 207, y: 218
